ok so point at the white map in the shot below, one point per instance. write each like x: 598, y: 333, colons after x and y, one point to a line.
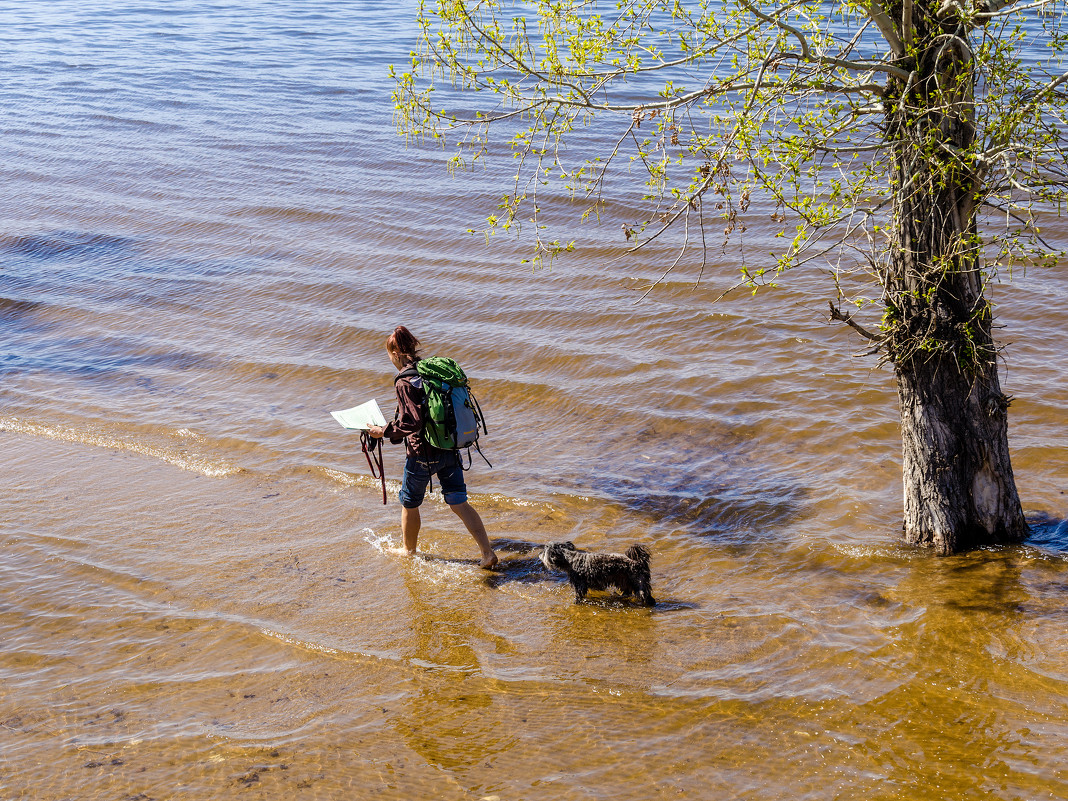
x: 361, y: 417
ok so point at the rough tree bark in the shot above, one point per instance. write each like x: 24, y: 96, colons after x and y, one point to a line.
x: 959, y: 490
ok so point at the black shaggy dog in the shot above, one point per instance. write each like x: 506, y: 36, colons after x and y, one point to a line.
x: 628, y: 573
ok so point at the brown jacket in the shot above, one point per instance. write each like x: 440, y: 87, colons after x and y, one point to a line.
x: 407, y: 422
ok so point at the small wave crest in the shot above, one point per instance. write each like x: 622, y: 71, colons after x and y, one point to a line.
x: 357, y: 480
x: 177, y: 455
x: 442, y: 571
x: 298, y: 643
x: 383, y: 543
x: 293, y: 213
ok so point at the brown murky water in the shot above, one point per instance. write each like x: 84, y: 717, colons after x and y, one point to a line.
x: 208, y: 229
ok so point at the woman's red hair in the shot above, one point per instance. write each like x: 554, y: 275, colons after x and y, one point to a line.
x: 403, y: 341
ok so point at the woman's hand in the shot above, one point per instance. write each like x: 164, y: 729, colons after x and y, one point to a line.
x: 376, y: 431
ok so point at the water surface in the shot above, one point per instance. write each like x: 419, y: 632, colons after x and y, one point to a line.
x: 208, y: 229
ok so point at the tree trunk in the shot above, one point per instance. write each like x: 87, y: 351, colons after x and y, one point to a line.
x: 959, y: 490
x: 958, y: 482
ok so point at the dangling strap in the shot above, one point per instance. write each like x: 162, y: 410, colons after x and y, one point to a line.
x: 481, y: 417
x: 430, y: 476
x: 470, y: 458
x: 480, y: 453
x: 373, y: 447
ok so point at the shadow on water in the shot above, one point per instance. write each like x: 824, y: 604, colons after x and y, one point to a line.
x: 981, y: 582
x: 447, y: 714
x: 510, y: 545
x: 11, y: 309
x: 959, y: 663
x: 63, y: 244
x: 1048, y: 533
x: 609, y: 600
x: 708, y: 480
x: 523, y: 568
x: 742, y: 508
x: 710, y: 495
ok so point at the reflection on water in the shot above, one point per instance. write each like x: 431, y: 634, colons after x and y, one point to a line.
x: 962, y: 705
x: 209, y: 228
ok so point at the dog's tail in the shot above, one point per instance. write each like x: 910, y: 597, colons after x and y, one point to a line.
x: 639, y: 553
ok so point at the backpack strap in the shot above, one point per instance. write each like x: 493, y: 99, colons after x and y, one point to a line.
x: 411, y: 372
x: 373, y: 448
x: 481, y: 418
x: 407, y: 372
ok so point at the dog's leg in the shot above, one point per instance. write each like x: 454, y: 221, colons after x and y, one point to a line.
x: 645, y: 592
x: 580, y: 590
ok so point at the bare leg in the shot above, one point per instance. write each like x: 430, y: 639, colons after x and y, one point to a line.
x: 470, y: 517
x: 410, y: 523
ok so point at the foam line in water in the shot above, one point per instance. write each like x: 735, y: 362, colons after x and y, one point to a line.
x: 179, y: 457
x: 302, y: 644
x: 357, y: 480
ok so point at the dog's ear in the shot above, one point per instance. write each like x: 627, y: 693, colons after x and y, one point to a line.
x: 569, y: 545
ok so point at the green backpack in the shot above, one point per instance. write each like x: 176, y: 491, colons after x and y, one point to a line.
x: 451, y: 413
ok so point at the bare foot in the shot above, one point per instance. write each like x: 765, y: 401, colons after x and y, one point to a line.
x: 489, y: 562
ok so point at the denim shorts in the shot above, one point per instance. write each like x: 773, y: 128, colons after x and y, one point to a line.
x: 417, y: 472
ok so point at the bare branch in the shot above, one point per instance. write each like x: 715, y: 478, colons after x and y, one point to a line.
x: 1027, y: 226
x: 836, y: 314
x: 674, y: 264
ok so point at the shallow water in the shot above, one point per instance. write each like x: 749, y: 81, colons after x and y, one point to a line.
x: 209, y: 229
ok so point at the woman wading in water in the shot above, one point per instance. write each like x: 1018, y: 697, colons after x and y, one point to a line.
x: 424, y: 460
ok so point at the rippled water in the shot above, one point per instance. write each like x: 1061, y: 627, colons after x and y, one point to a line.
x: 208, y: 228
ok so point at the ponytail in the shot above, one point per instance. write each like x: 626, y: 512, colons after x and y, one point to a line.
x: 403, y: 341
